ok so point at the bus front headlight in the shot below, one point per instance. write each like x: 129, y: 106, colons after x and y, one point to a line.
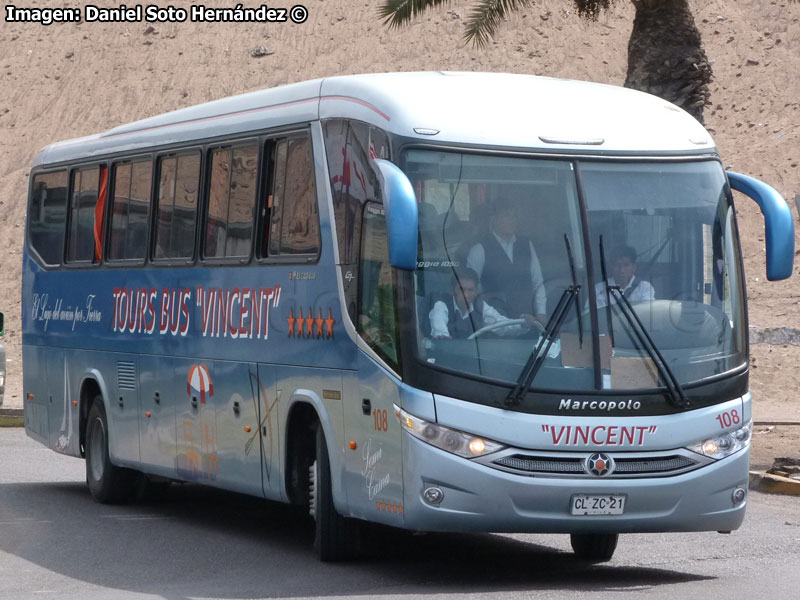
x: 725, y: 444
x: 458, y: 442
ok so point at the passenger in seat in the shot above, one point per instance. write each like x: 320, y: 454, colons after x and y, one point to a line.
x: 623, y: 274
x: 459, y: 314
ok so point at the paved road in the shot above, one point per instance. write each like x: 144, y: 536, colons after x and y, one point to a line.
x: 55, y: 542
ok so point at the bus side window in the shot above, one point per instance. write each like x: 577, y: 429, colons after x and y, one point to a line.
x: 86, y: 210
x: 48, y: 214
x: 231, y: 201
x: 291, y: 203
x: 130, y: 208
x: 176, y: 208
x: 377, y: 314
x: 349, y: 146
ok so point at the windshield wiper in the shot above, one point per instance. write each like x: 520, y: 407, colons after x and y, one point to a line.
x: 554, y: 323
x: 677, y: 397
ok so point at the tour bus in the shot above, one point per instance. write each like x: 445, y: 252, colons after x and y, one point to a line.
x: 453, y: 302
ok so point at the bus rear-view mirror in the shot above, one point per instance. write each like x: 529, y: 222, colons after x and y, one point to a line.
x: 402, y: 217
x: 778, y: 223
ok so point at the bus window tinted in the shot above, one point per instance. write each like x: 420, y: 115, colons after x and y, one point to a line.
x: 350, y: 146
x: 294, y: 222
x: 178, y: 182
x: 85, y: 228
x: 129, y: 211
x: 48, y: 213
x: 231, y: 200
x: 377, y: 320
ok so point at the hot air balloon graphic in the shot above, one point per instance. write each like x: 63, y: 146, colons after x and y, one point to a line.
x: 200, y: 382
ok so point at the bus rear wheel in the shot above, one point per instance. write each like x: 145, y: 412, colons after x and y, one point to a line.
x: 107, y: 483
x: 335, y: 537
x: 594, y: 547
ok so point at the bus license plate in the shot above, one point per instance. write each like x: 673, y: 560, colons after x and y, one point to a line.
x: 585, y: 504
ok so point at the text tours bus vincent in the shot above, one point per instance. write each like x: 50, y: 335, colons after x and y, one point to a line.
x: 252, y: 294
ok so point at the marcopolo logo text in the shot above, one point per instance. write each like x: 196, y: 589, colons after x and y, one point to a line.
x: 603, y: 405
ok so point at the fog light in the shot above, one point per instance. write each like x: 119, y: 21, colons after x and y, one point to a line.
x: 433, y: 495
x: 739, y: 494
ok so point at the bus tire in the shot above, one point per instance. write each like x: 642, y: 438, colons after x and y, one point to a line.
x: 107, y: 484
x: 594, y: 547
x: 335, y: 537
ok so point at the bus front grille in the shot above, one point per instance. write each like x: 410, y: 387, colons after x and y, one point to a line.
x: 574, y: 464
x: 541, y: 464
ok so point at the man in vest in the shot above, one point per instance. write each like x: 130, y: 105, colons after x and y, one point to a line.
x: 508, y: 266
x: 623, y: 274
x: 459, y: 314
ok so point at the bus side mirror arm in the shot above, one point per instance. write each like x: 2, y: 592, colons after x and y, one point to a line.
x: 778, y: 223
x: 402, y: 215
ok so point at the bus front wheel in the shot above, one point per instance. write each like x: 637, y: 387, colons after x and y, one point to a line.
x: 594, y: 547
x: 335, y: 537
x: 107, y: 483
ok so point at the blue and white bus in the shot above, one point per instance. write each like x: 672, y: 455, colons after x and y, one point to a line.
x: 436, y: 301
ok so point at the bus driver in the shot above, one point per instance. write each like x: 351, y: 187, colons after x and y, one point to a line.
x: 459, y: 314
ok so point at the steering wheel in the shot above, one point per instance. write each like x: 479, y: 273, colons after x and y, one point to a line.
x: 498, y: 325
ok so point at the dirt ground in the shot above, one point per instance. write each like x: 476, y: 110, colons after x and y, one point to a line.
x: 67, y: 80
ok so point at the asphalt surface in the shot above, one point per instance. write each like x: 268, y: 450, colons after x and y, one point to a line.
x: 55, y: 542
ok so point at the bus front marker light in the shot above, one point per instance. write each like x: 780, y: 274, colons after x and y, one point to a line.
x: 433, y: 495
x: 738, y: 496
x: 353, y: 445
x: 477, y: 446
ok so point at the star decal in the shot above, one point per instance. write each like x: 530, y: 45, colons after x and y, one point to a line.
x: 290, y: 319
x: 309, y: 322
x: 318, y: 321
x: 329, y: 325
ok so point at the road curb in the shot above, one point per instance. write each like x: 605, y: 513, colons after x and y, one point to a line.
x: 12, y: 417
x: 774, y: 484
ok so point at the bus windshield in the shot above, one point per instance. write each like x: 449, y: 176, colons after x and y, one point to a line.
x: 504, y: 254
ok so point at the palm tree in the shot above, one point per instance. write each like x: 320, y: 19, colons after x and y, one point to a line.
x: 665, y: 51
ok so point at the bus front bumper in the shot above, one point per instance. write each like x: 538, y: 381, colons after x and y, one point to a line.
x: 476, y: 497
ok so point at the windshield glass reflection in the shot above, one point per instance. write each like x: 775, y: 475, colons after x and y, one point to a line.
x: 498, y: 233
x: 668, y: 235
